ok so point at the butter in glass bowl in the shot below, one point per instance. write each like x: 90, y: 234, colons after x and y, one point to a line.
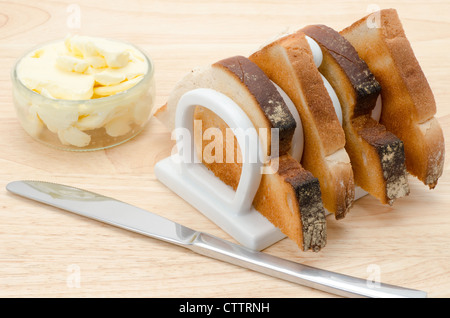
x: 84, y: 93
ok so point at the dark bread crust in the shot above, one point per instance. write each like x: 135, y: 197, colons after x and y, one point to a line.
x: 312, y: 234
x: 307, y: 191
x: 364, y: 135
x: 363, y: 81
x: 392, y: 158
x: 266, y: 95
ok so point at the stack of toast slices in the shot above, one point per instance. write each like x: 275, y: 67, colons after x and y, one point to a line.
x: 367, y: 118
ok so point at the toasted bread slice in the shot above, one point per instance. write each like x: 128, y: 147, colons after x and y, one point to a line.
x: 289, y: 63
x: 377, y: 156
x: 290, y: 197
x: 227, y: 76
x: 408, y: 102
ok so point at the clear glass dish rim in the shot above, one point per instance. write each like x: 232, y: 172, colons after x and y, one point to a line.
x: 72, y: 102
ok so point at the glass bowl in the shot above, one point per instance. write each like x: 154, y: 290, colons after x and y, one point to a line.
x: 85, y: 125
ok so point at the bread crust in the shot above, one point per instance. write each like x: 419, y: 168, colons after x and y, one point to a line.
x: 289, y: 63
x: 365, y: 85
x: 377, y: 156
x: 308, y: 227
x: 226, y: 76
x: 307, y: 191
x: 408, y: 102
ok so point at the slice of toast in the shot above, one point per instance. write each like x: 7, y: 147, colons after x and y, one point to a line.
x: 273, y: 112
x: 290, y: 197
x: 408, y: 102
x: 290, y: 64
x: 377, y: 156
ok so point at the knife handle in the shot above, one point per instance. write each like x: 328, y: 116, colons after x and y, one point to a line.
x: 324, y: 280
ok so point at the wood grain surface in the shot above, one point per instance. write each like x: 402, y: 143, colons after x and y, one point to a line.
x: 45, y: 252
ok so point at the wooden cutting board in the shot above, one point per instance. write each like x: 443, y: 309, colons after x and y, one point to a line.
x: 46, y: 252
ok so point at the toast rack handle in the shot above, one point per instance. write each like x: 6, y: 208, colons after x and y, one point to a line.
x: 246, y: 135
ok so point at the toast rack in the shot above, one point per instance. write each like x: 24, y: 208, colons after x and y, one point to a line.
x: 185, y: 174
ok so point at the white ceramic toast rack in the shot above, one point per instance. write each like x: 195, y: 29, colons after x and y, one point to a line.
x: 189, y: 178
x: 231, y: 210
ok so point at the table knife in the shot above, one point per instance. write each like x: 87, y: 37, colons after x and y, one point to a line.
x: 126, y: 216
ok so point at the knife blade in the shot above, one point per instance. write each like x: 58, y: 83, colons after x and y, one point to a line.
x: 129, y: 217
